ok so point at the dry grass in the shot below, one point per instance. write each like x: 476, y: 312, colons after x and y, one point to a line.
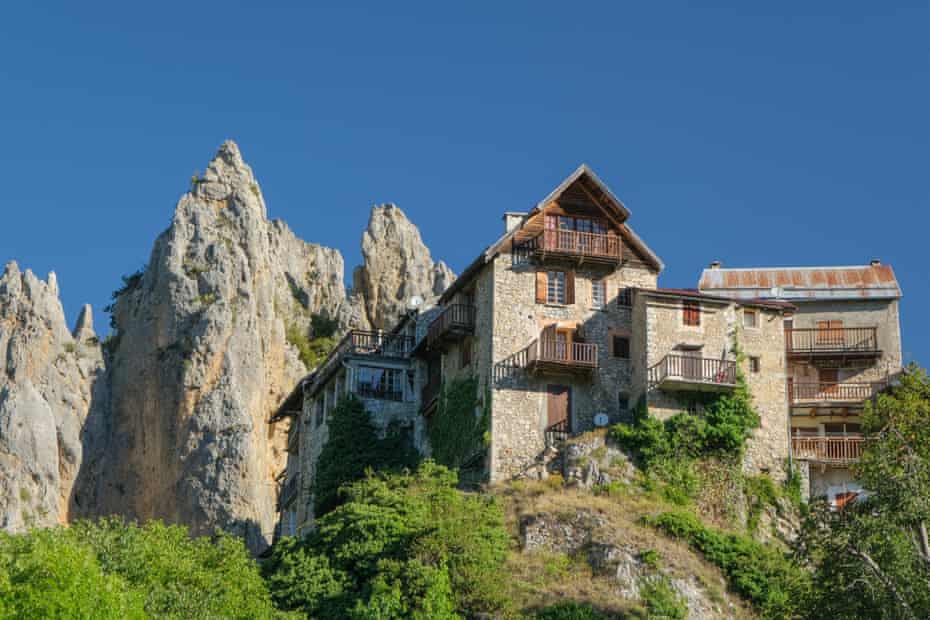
x: 542, y: 578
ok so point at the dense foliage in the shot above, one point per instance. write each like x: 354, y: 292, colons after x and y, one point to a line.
x: 458, y: 429
x: 757, y: 572
x: 401, y: 546
x: 353, y: 448
x: 872, y: 558
x: 112, y: 569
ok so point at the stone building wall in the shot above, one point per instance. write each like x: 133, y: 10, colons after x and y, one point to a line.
x: 769, y: 446
x: 519, y: 400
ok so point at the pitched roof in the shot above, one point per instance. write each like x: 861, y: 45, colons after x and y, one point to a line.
x: 799, y: 284
x: 695, y: 294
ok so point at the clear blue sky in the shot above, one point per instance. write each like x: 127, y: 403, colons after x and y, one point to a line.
x: 756, y: 133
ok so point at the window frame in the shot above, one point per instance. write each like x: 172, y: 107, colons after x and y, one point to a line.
x: 690, y: 313
x: 615, y: 338
x: 755, y: 364
x: 625, y: 297
x: 751, y: 312
x: 555, y: 290
x: 390, y: 386
x: 600, y: 285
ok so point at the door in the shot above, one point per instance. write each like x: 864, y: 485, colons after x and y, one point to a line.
x: 829, y: 378
x: 559, y: 406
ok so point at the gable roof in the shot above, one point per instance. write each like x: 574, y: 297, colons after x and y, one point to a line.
x: 875, y: 281
x: 603, y: 196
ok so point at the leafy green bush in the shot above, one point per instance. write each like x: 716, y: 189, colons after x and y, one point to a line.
x: 401, y: 546
x: 661, y: 601
x: 759, y: 573
x: 570, y: 610
x: 312, y: 351
x: 111, y: 569
x: 457, y: 430
x: 354, y: 447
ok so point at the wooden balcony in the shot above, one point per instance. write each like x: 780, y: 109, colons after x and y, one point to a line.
x: 454, y: 323
x: 582, y: 246
x: 360, y: 342
x: 848, y: 343
x: 548, y: 355
x: 829, y: 450
x: 818, y: 393
x: 684, y: 372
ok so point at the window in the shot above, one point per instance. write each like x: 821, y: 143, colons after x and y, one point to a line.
x: 691, y: 313
x: 750, y: 318
x: 624, y: 401
x: 598, y: 293
x: 555, y: 291
x: 386, y: 383
x: 755, y: 364
x: 625, y: 297
x: 622, y: 347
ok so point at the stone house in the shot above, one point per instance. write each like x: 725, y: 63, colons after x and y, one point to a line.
x: 842, y: 345
x: 563, y: 325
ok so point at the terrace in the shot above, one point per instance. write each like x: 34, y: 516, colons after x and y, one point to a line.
x: 685, y: 372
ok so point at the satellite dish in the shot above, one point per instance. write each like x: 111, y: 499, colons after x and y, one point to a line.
x: 600, y: 420
x: 415, y: 302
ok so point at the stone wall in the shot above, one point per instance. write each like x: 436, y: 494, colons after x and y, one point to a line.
x: 519, y: 400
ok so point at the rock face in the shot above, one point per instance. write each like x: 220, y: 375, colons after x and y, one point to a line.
x: 168, y: 419
x: 397, y: 267
x: 48, y: 389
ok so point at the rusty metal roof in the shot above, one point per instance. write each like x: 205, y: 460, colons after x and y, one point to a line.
x: 803, y: 283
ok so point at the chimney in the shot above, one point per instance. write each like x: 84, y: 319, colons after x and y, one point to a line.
x: 512, y: 219
x: 875, y: 263
x: 716, y: 264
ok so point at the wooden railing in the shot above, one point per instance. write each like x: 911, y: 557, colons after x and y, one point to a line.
x: 580, y: 243
x: 571, y: 353
x: 846, y: 449
x: 378, y: 343
x: 832, y: 392
x: 840, y: 339
x: 698, y: 369
x: 557, y: 433
x: 455, y: 316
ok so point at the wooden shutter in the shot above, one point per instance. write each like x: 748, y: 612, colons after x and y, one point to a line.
x: 542, y: 282
x: 559, y: 404
x: 569, y: 287
x: 692, y: 313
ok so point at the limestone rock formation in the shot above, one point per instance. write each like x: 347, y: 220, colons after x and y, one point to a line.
x: 48, y: 389
x: 168, y: 418
x: 397, y: 267
x: 201, y: 360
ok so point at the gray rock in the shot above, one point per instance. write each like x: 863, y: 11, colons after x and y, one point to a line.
x: 84, y: 329
x: 397, y: 267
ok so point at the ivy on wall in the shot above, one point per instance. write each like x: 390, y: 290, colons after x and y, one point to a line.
x: 458, y: 430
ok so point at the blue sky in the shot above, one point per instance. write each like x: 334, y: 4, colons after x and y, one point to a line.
x: 755, y: 133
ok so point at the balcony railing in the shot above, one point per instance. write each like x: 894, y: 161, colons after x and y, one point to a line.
x: 697, y: 371
x: 575, y: 243
x: 836, y: 450
x: 814, y: 392
x: 454, y: 321
x: 554, y: 353
x: 361, y: 342
x: 829, y: 340
x: 381, y: 392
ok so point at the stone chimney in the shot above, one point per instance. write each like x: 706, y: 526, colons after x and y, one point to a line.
x: 512, y: 219
x: 716, y: 264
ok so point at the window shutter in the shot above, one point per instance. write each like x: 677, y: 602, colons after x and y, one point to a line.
x: 569, y: 287
x: 542, y: 281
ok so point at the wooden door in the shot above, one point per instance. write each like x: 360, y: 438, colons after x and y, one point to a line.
x: 559, y: 405
x: 828, y: 377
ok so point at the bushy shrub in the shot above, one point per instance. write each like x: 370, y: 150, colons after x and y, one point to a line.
x: 111, y: 569
x: 570, y: 610
x: 354, y: 447
x: 312, y: 351
x: 759, y: 573
x: 457, y: 430
x: 661, y: 601
x: 401, y: 546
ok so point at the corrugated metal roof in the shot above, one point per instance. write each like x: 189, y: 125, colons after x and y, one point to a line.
x: 803, y: 283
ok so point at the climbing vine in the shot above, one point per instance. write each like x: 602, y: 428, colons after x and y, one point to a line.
x: 458, y: 430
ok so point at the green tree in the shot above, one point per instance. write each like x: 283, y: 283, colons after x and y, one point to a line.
x: 401, y: 546
x: 53, y: 574
x: 354, y: 447
x: 871, y: 558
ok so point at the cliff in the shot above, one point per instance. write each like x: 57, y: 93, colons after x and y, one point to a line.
x: 169, y: 418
